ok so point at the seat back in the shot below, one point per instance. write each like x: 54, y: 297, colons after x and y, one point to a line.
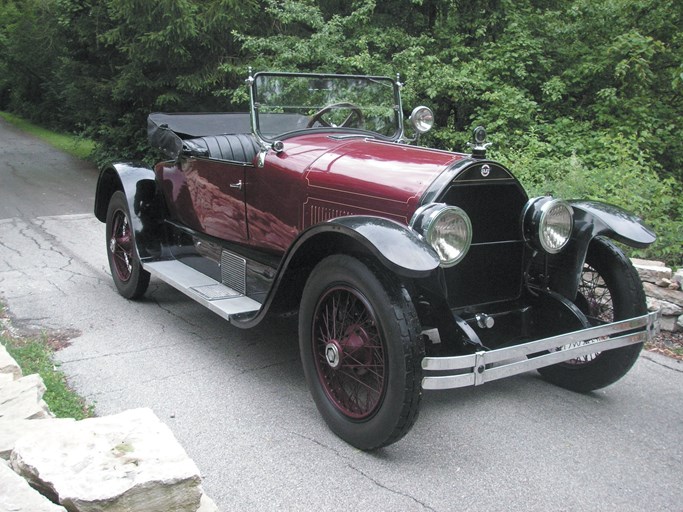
x: 238, y: 147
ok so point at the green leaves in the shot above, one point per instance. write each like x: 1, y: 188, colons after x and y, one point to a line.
x: 577, y: 96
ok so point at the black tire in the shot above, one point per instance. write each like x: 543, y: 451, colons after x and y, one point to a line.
x: 361, y: 350
x: 130, y: 278
x: 610, y: 290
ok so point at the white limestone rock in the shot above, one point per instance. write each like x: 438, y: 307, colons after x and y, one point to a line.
x: 669, y: 323
x: 678, y: 277
x: 8, y: 364
x: 207, y: 505
x: 651, y: 263
x: 12, y: 430
x: 651, y: 271
x: 17, y: 496
x: 673, y: 296
x: 668, y: 308
x: 23, y: 399
x: 122, y: 463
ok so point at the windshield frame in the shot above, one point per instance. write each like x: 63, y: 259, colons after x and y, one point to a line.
x: 267, y: 139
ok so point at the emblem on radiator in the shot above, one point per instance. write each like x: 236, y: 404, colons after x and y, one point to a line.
x: 485, y: 170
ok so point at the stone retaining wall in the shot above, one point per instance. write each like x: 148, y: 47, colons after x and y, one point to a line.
x: 127, y: 462
x: 663, y: 290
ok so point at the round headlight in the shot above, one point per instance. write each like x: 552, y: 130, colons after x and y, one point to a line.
x: 447, y: 229
x: 549, y: 223
x: 422, y: 119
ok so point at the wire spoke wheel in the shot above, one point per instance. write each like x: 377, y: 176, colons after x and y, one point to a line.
x: 361, y: 350
x: 121, y: 247
x: 130, y: 278
x: 609, y: 290
x: 350, y: 355
x: 595, y: 301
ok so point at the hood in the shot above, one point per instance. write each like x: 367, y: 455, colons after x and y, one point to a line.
x: 371, y: 177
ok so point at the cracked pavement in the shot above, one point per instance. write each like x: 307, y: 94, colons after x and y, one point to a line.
x: 237, y: 400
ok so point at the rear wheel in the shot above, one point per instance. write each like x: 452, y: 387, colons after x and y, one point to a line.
x: 361, y: 350
x: 130, y: 278
x: 610, y: 290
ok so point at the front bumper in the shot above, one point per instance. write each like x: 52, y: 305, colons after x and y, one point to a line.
x: 485, y: 366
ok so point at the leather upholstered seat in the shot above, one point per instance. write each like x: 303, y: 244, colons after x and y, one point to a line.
x: 238, y: 147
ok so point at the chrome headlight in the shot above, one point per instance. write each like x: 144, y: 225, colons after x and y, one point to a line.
x: 447, y: 229
x: 422, y: 119
x: 548, y: 223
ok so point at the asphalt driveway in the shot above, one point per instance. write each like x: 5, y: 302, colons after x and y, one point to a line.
x: 237, y: 400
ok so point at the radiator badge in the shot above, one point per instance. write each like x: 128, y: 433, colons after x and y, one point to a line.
x: 485, y: 170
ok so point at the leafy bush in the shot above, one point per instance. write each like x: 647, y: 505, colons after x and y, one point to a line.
x: 580, y: 97
x: 611, y: 169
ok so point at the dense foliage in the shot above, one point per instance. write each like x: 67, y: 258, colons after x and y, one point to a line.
x: 581, y: 98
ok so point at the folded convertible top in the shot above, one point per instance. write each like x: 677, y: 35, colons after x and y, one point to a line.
x: 189, y: 125
x: 166, y: 132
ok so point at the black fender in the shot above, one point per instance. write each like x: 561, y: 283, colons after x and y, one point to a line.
x: 395, y: 246
x: 608, y: 220
x: 138, y: 184
x: 593, y: 219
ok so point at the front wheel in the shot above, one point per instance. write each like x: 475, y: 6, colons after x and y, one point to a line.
x: 130, y: 278
x: 610, y: 290
x: 361, y: 350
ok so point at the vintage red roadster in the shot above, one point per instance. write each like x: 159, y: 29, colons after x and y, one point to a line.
x: 410, y: 268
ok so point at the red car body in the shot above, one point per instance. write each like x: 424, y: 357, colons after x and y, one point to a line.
x: 313, y: 180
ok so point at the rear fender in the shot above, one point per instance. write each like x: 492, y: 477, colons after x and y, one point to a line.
x: 139, y: 186
x: 593, y: 219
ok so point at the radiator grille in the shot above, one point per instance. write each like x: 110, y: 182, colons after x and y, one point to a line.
x: 492, y: 271
x: 493, y: 208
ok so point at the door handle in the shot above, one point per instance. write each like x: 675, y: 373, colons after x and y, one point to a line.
x: 237, y: 185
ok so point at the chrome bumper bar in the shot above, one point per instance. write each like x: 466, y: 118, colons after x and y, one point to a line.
x: 476, y: 369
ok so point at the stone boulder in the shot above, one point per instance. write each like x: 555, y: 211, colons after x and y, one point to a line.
x: 665, y: 294
x: 121, y: 463
x: 12, y: 430
x: 678, y: 277
x: 651, y: 271
x: 7, y: 364
x: 17, y: 496
x: 23, y: 398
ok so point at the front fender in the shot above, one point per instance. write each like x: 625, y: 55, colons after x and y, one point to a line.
x: 398, y: 247
x: 593, y: 219
x: 395, y: 246
x: 608, y: 220
x: 139, y: 186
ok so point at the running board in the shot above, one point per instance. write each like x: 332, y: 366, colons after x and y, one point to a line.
x: 219, y: 298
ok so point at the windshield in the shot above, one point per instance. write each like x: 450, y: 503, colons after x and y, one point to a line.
x: 284, y: 103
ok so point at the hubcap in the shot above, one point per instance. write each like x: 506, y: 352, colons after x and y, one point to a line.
x: 333, y: 354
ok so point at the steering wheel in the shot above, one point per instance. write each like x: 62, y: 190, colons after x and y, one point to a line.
x: 318, y: 116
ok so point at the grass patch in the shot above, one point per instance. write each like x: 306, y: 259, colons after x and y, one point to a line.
x: 36, y: 356
x: 72, y: 144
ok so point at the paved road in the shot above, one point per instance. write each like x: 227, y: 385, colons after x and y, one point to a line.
x: 238, y: 403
